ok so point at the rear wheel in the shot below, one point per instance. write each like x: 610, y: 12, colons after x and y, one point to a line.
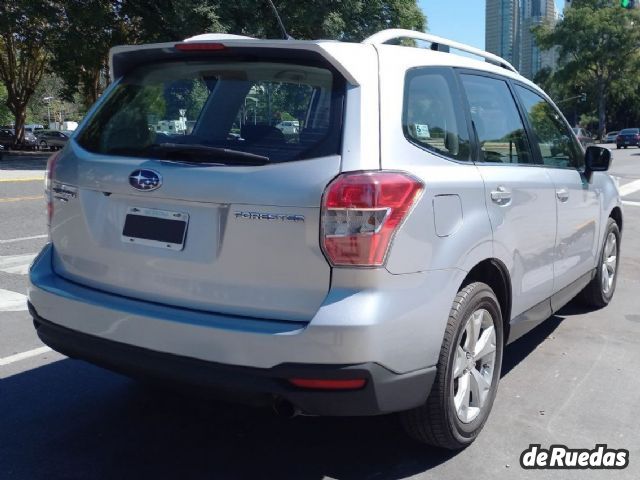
x: 43, y: 145
x: 467, y: 376
x: 600, y: 290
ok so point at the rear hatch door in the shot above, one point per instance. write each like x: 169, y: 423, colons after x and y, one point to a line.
x: 181, y: 189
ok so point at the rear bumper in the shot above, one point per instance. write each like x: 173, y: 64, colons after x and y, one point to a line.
x: 388, y: 332
x: 384, y: 391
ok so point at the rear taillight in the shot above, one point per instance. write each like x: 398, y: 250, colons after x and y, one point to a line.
x: 48, y: 179
x: 361, y: 213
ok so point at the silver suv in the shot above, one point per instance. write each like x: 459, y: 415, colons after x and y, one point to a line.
x: 377, y: 261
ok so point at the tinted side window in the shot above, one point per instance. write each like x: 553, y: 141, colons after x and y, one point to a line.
x: 497, y: 122
x: 430, y: 117
x: 552, y: 134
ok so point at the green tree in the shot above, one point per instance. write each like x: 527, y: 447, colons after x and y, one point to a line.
x: 80, y: 47
x: 166, y: 20
x: 5, y: 113
x: 590, y: 39
x: 24, y: 31
x: 87, y: 29
x: 48, y: 103
x: 349, y: 20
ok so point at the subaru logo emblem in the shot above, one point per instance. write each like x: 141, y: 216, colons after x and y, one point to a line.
x: 145, y: 180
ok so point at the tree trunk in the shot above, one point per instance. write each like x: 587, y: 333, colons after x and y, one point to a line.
x: 602, y: 108
x: 91, y: 88
x: 20, y: 115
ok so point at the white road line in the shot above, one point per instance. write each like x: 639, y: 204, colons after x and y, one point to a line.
x: 630, y: 188
x: 24, y: 355
x: 21, y: 239
x: 18, y: 264
x: 12, y: 301
x: 633, y: 204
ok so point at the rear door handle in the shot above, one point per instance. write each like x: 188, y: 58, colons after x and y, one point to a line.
x: 501, y: 196
x: 562, y: 194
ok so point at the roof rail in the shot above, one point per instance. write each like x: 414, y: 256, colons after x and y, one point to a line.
x: 396, y: 33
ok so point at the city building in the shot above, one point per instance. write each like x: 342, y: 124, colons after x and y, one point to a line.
x: 502, y: 33
x: 508, y: 33
x: 532, y: 59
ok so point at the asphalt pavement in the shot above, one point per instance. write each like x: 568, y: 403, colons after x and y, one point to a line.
x: 572, y: 381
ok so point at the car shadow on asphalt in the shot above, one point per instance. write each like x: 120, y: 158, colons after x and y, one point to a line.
x: 517, y: 351
x: 69, y: 419
x: 521, y: 348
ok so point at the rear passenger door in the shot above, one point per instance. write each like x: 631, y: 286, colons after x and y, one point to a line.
x: 519, y: 194
x: 577, y: 200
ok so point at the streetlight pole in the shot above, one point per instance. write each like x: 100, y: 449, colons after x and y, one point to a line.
x: 48, y: 100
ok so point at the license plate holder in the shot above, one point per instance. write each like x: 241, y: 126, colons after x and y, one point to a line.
x: 155, y: 228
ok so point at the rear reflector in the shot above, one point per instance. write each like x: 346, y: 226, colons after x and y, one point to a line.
x: 321, y: 384
x: 361, y: 213
x: 199, y: 47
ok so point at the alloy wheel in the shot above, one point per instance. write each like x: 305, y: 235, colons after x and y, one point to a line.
x: 474, y: 365
x: 609, y: 263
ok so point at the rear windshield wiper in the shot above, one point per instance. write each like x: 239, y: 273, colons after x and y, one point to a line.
x: 194, y: 153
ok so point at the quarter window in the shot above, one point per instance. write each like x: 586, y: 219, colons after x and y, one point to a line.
x: 557, y: 145
x: 495, y: 117
x: 431, y: 119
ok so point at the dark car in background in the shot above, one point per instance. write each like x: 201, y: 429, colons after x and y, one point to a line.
x: 8, y: 139
x: 629, y: 137
x: 51, y: 139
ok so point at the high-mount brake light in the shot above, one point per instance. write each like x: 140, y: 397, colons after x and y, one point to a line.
x: 361, y: 213
x: 199, y: 47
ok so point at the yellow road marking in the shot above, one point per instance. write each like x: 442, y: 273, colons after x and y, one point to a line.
x: 19, y: 199
x: 29, y: 179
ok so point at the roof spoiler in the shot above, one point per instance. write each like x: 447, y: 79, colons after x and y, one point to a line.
x: 126, y: 57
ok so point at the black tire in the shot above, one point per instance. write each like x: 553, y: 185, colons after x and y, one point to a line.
x: 594, y: 294
x: 436, y: 422
x: 618, y: 147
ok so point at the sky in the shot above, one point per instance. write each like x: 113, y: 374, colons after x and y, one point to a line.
x: 462, y: 21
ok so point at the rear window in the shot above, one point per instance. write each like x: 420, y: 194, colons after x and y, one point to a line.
x: 220, y: 112
x: 629, y: 131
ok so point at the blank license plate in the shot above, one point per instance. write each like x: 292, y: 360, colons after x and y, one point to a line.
x: 155, y: 228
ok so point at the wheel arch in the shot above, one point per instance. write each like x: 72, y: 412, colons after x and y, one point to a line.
x: 616, y: 214
x: 495, y: 274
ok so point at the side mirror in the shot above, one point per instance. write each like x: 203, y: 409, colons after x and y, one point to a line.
x: 596, y: 159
